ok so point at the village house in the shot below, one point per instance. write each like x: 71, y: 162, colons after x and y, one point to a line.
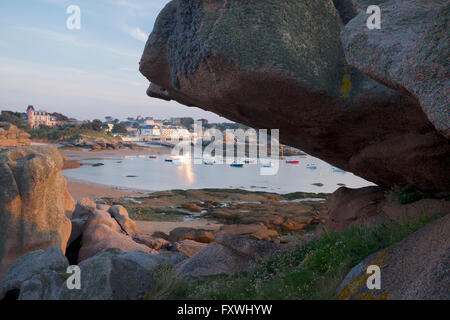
x: 151, y: 132
x: 40, y: 118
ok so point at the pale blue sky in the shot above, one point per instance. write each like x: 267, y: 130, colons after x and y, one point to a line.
x: 87, y: 73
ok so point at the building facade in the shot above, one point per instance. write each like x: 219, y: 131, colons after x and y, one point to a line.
x: 40, y: 118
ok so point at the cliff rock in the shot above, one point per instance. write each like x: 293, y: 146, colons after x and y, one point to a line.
x: 11, y: 136
x: 282, y: 65
x: 34, y: 202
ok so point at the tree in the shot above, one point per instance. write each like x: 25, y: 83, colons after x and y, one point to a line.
x: 136, y: 125
x: 60, y: 117
x: 14, y: 118
x: 120, y: 128
x: 187, y: 122
x: 97, y: 125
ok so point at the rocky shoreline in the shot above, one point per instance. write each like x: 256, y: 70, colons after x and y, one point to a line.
x: 11, y: 136
x: 110, y: 241
x: 371, y: 102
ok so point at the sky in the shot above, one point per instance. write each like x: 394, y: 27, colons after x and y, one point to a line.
x: 85, y: 73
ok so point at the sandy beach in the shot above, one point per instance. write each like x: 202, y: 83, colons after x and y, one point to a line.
x: 81, y: 189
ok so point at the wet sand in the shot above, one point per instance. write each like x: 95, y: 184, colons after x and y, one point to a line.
x: 80, y: 189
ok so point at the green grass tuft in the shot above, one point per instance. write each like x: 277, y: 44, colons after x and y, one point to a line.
x: 312, y: 271
x: 168, y: 285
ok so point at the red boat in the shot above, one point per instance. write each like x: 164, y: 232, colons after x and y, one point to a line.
x: 293, y: 161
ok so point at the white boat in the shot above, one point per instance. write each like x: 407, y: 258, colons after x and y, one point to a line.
x: 311, y: 166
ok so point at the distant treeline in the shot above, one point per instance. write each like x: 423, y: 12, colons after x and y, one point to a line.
x: 68, y: 133
x: 15, y: 118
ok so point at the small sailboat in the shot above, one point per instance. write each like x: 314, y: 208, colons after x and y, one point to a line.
x: 266, y: 164
x: 237, y: 165
x: 209, y: 161
x: 338, y: 170
x: 249, y: 161
x: 292, y: 161
x: 153, y: 157
x: 168, y: 160
x: 311, y: 166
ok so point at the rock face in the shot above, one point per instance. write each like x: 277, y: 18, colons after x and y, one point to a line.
x: 409, y: 53
x: 188, y: 247
x: 229, y: 254
x: 414, y: 269
x: 34, y: 202
x: 110, y: 275
x: 253, y: 231
x: 371, y: 206
x: 100, y: 237
x: 11, y: 136
x: 84, y: 208
x: 120, y: 214
x: 101, y: 217
x: 283, y: 66
x: 199, y: 235
x: 30, y: 266
x: 152, y: 242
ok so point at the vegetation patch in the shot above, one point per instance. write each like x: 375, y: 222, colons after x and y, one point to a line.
x: 304, y: 195
x: 155, y: 214
x: 312, y: 271
x: 410, y: 194
x: 169, y: 285
x: 70, y: 133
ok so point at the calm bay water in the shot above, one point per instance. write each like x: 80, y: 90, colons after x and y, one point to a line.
x: 141, y: 172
